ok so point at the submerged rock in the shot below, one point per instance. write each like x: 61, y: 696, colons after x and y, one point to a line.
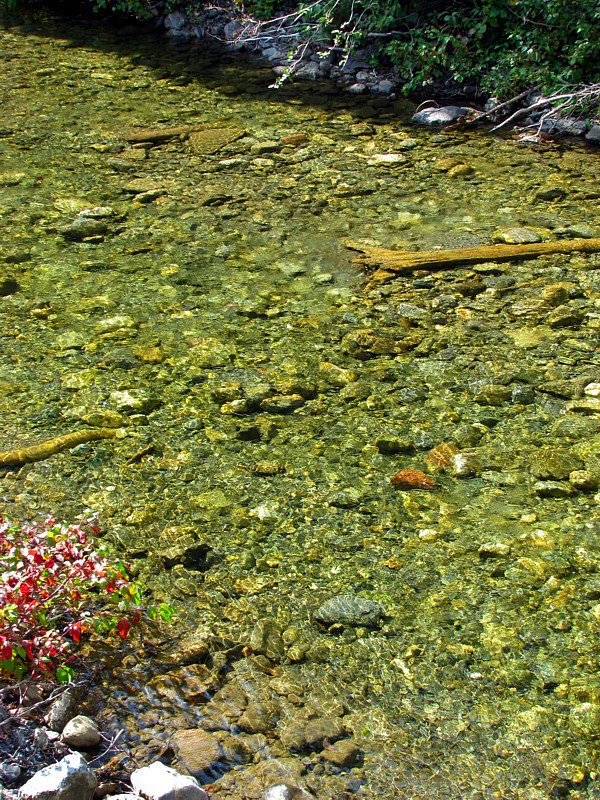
x: 408, y: 479
x: 348, y: 609
x: 197, y: 751
x: 517, y: 236
x: 553, y: 462
x: 593, y: 135
x: 343, y: 753
x: 134, y: 401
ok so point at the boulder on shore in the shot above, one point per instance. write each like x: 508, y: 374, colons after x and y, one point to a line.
x: 440, y: 116
x: 69, y: 779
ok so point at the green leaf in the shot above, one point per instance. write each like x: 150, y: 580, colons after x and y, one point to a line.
x: 64, y: 674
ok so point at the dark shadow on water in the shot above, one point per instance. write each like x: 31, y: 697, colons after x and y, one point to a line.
x: 203, y: 61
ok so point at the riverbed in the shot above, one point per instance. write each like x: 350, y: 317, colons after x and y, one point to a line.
x: 176, y: 266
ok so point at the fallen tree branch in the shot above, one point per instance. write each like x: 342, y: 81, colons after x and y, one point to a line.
x: 495, y: 109
x: 528, y: 109
x: 579, y: 97
x: 392, y: 263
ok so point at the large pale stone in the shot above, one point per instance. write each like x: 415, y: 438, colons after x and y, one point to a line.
x: 69, y: 779
x: 81, y: 732
x: 159, y: 782
x: 286, y: 791
x: 439, y: 116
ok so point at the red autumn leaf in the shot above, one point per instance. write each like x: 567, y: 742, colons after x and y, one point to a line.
x: 75, y: 631
x: 123, y: 628
x: 6, y: 651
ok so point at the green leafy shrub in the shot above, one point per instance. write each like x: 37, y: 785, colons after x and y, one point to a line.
x: 262, y: 9
x: 503, y: 46
x: 135, y: 8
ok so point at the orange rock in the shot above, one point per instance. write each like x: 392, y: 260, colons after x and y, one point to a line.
x: 295, y: 139
x: 412, y: 479
x: 441, y: 455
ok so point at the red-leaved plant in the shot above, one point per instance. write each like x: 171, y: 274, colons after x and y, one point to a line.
x: 55, y: 586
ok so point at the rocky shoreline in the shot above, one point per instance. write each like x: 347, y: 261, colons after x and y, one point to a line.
x: 64, y: 755
x: 283, y: 47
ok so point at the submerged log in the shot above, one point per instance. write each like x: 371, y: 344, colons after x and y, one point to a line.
x: 393, y: 262
x: 43, y: 450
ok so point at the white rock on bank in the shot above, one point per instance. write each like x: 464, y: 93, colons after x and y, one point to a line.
x: 126, y: 796
x: 287, y: 791
x: 440, y: 116
x: 69, y: 779
x: 159, y: 782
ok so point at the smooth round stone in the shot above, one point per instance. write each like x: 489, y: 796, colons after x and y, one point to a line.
x: 81, y: 733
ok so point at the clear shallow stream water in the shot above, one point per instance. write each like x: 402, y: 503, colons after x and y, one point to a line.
x: 195, y: 291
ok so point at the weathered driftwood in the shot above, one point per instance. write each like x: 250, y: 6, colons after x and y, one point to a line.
x: 38, y: 452
x: 392, y: 262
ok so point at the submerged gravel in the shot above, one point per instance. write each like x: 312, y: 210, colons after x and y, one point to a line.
x: 177, y: 268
